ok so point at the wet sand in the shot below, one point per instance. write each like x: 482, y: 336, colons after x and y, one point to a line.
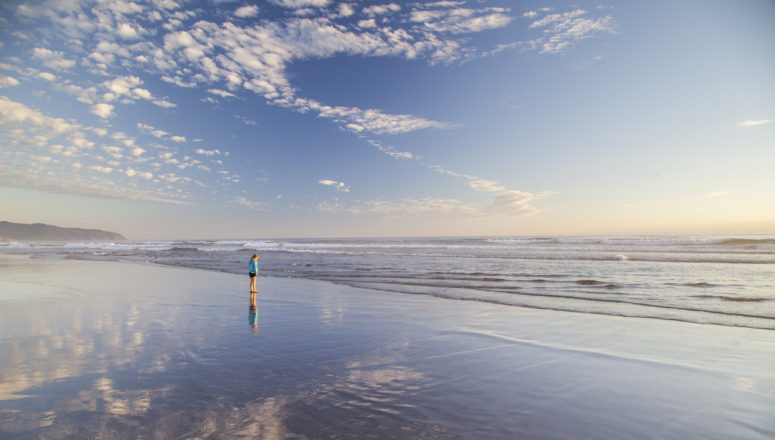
x: 117, y: 350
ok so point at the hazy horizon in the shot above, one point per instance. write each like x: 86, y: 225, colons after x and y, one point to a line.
x: 323, y: 118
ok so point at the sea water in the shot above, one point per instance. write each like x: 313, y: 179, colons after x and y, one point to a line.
x: 723, y: 280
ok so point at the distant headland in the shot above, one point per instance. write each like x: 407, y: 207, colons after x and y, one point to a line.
x: 40, y: 232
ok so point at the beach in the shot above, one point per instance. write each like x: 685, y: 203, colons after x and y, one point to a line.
x: 129, y: 350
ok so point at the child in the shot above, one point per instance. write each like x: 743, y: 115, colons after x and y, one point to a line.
x: 253, y: 272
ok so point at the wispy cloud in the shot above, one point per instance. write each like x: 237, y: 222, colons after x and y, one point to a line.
x: 255, y: 205
x: 753, y: 122
x: 461, y: 20
x: 209, y: 153
x: 559, y: 31
x: 424, y: 206
x: 339, y: 186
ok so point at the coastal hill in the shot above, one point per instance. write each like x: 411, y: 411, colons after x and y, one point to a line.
x: 41, y: 232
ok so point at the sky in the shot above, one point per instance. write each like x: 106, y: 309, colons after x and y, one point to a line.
x: 176, y: 119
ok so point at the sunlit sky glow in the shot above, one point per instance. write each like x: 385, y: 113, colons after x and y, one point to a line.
x: 315, y: 118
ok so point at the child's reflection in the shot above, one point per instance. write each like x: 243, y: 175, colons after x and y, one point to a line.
x: 253, y: 312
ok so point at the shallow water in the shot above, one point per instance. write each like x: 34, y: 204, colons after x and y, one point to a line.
x: 138, y: 351
x: 701, y: 279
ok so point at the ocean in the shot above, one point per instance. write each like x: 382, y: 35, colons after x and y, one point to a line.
x: 721, y: 280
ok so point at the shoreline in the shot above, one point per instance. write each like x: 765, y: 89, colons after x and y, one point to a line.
x: 650, y: 311
x: 162, y: 345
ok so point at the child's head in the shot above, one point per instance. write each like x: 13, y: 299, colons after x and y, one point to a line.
x: 254, y: 257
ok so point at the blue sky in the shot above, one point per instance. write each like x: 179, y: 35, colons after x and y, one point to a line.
x: 314, y: 118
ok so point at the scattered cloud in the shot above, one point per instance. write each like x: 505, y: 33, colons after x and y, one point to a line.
x: 381, y: 9
x: 164, y: 103
x: 149, y: 129
x: 208, y: 153
x: 339, y: 186
x: 127, y: 31
x: 226, y: 59
x: 246, y: 11
x: 58, y: 155
x: 47, y: 76
x: 143, y: 174
x: 462, y: 20
x: 255, y: 205
x: 52, y: 59
x: 753, y: 122
x: 103, y: 110
x: 101, y: 169
x: 245, y: 120
x: 559, y: 31
x: 8, y: 81
x: 346, y: 9
x: 222, y: 93
x: 425, y: 206
x: 295, y: 4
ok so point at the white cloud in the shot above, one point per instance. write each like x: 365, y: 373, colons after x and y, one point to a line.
x: 178, y: 139
x: 142, y: 93
x: 507, y: 202
x: 425, y: 206
x: 113, y: 151
x: 208, y: 153
x: 27, y: 132
x: 567, y: 29
x: 8, y: 81
x: 121, y: 86
x: 164, y: 103
x: 559, y: 31
x: 390, y: 151
x: 145, y: 128
x: 246, y: 11
x: 346, y: 10
x: 221, y: 93
x: 246, y: 120
x: 52, y: 59
x: 370, y: 23
x: 339, y: 186
x: 142, y: 174
x: 43, y: 159
x: 47, y: 76
x: 255, y: 58
x: 101, y: 169
x: 127, y: 32
x: 83, y: 95
x: 753, y: 122
x: 103, y: 110
x: 555, y: 18
x: 461, y: 20
x: 381, y: 9
x: 357, y: 120
x: 258, y: 206
x: 302, y: 3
